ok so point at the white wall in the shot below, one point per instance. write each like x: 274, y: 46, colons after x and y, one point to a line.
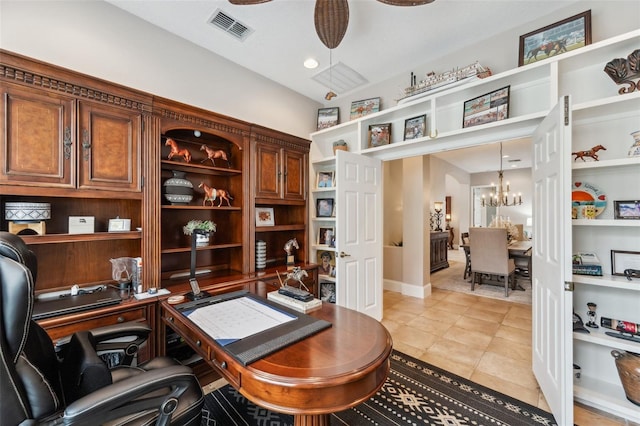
x: 101, y: 40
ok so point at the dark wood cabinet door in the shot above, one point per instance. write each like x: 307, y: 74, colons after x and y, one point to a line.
x: 109, y: 148
x: 38, y: 138
x: 295, y: 176
x: 268, y: 171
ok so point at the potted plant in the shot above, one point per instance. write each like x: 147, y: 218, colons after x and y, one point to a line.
x: 202, y: 239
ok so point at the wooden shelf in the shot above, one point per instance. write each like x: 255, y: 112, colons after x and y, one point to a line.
x: 74, y: 238
x: 198, y: 168
x: 211, y: 247
x: 190, y: 207
x: 280, y: 228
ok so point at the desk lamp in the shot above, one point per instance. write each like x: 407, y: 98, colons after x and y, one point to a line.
x: 195, y: 293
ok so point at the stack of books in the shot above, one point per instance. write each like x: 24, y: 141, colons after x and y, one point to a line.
x: 586, y: 264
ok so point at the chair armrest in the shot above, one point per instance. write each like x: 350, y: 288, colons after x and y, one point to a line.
x: 130, y: 334
x: 133, y: 395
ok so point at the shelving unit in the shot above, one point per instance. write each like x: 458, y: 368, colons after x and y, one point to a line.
x: 600, y: 116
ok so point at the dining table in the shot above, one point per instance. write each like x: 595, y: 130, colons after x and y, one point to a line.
x: 518, y: 249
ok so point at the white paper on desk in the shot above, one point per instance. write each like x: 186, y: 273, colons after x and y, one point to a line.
x: 236, y: 319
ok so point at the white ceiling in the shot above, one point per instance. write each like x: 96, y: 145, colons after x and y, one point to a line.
x: 378, y: 38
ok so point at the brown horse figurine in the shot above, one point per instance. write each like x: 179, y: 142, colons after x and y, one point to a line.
x: 588, y: 153
x: 210, y: 194
x: 212, y: 154
x: 176, y: 150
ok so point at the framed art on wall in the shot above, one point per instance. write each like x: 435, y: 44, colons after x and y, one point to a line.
x: 628, y: 209
x: 364, y: 107
x: 622, y: 260
x: 328, y: 117
x: 563, y: 36
x: 415, y: 127
x: 493, y: 106
x: 326, y: 235
x: 379, y: 134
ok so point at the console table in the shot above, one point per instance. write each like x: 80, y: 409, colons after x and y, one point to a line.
x: 439, y: 245
x: 333, y: 370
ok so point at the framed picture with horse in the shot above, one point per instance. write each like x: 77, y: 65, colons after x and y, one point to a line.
x: 561, y: 37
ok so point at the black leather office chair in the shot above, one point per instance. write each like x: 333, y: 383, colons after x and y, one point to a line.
x: 37, y: 388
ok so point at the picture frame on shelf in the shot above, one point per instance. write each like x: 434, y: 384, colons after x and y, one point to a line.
x: 326, y: 236
x: 487, y: 108
x: 379, y: 134
x: 326, y: 262
x: 324, y: 207
x: 328, y: 117
x: 555, y: 39
x: 328, y: 292
x: 415, y: 127
x: 264, y: 216
x: 622, y: 260
x: 325, y: 179
x: 364, y: 107
x: 627, y: 209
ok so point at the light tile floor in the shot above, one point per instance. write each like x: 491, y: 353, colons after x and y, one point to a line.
x: 484, y: 340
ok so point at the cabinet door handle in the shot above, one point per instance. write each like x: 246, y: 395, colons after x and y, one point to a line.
x: 66, y: 142
x: 86, y: 144
x: 120, y: 319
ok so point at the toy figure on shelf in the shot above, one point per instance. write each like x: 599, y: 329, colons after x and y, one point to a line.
x: 212, y: 154
x: 592, y: 315
x: 176, y: 150
x: 210, y: 194
x: 588, y: 153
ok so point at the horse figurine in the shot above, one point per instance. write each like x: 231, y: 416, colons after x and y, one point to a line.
x: 588, y: 153
x: 210, y: 194
x: 290, y: 245
x: 212, y: 154
x: 176, y: 150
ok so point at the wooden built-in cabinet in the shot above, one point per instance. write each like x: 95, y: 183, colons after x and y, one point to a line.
x: 93, y: 148
x: 279, y: 181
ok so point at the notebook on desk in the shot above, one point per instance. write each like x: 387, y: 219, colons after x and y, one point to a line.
x: 70, y: 304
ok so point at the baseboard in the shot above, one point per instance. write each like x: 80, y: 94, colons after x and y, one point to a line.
x: 407, y: 289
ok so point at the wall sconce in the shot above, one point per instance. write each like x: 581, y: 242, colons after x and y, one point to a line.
x: 437, y: 206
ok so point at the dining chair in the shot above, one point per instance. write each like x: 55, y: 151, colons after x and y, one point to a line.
x: 464, y: 237
x: 521, y: 235
x: 490, y: 256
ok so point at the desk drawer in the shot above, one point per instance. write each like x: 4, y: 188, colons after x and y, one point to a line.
x: 212, y: 354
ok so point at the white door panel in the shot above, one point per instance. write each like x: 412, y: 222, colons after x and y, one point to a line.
x: 552, y: 305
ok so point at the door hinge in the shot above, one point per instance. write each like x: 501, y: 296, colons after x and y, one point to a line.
x: 568, y: 286
x: 566, y: 110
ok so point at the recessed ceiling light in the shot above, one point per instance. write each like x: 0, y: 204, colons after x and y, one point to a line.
x: 311, y: 63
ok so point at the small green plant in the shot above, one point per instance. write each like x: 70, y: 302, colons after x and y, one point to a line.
x: 207, y: 225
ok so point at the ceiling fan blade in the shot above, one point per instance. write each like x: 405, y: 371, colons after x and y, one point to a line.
x: 243, y: 2
x: 331, y: 18
x: 406, y: 2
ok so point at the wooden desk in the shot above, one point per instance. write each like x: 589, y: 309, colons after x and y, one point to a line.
x: 333, y: 370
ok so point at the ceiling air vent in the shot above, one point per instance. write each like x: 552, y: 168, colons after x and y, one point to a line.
x: 230, y: 25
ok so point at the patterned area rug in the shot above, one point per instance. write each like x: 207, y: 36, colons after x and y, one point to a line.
x: 415, y: 393
x: 451, y: 279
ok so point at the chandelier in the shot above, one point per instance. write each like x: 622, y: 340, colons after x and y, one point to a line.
x: 501, y: 197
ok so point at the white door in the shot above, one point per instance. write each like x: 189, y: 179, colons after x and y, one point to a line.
x: 359, y: 233
x: 552, y: 305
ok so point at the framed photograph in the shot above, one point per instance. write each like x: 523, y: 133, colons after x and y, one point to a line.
x: 555, y: 39
x: 326, y: 235
x: 325, y: 179
x: 622, y: 260
x: 379, y: 134
x: 328, y: 117
x: 324, y: 207
x: 264, y: 216
x: 326, y: 260
x: 415, y: 127
x: 328, y: 292
x: 364, y: 107
x: 490, y: 107
x: 627, y: 209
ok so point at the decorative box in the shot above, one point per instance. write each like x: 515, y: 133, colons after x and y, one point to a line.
x: 81, y: 224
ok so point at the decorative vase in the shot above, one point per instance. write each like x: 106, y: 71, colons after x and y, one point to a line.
x: 178, y: 189
x: 634, y: 151
x: 340, y: 145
